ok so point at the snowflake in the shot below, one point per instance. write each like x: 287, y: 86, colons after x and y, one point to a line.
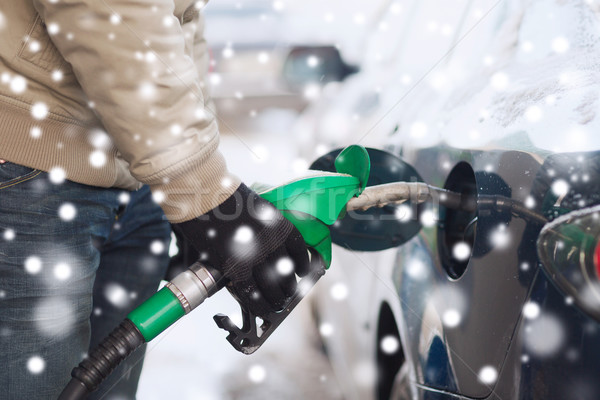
x: 263, y: 57
x: 33, y: 265
x: 533, y: 113
x: 544, y: 336
x: 428, y: 218
x: 285, y: 266
x: 531, y: 310
x: 529, y: 202
x: 116, y: 295
x: 54, y: 317
x: 9, y: 234
x: 416, y: 269
x: 34, y: 46
x: 500, y: 238
x: 461, y: 251
x: 147, y: 91
x: 35, y: 132
x: 36, y: 365
x: 228, y: 52
x: 243, y: 235
x: 278, y: 5
x: 67, y: 212
x: 451, y: 318
x: 53, y: 28
x: 418, y: 129
x: 389, y: 344
x: 312, y: 91
x: 57, y: 75
x: 326, y: 329
x: 18, y: 84
x: 124, y: 197
x: 158, y: 196
x: 97, y: 159
x: 257, y: 374
x: 488, y: 375
x: 560, y: 187
x: 39, y: 111
x: 115, y: 19
x: 168, y: 20
x: 62, y: 271
x: 157, y: 247
x: 57, y: 175
x: 312, y: 61
x: 339, y: 291
x: 365, y: 374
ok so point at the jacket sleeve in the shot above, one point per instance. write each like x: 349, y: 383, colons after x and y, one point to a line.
x: 130, y: 59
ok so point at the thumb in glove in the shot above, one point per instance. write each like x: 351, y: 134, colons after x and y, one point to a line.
x: 255, y: 248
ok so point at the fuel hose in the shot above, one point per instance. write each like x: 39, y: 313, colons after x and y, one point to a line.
x: 180, y: 296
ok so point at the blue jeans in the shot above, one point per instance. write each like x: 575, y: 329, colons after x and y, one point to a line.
x: 74, y: 260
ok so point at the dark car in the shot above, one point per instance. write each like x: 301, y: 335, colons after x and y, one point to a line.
x: 496, y: 296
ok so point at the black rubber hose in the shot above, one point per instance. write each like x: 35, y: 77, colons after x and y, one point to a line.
x: 94, y: 369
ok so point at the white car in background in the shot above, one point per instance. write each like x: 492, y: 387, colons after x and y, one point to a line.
x: 496, y: 100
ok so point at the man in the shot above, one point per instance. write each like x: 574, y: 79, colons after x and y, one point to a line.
x: 97, y: 98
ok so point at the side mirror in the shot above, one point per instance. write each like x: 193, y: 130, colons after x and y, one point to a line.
x: 315, y: 64
x: 377, y: 228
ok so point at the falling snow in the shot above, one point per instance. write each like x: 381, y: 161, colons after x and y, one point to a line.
x: 488, y: 375
x: 428, y: 218
x: 62, y: 271
x: 36, y: 365
x: 560, y: 187
x: 33, y: 265
x: 57, y: 175
x: 157, y: 247
x: 257, y: 374
x: 67, y: 212
x: 389, y: 344
x: 500, y: 238
x: 544, y: 336
x: 451, y: 318
x: 416, y: 269
x: 531, y: 310
x: 339, y: 291
x: 461, y: 251
x: 158, y: 196
x: 116, y: 295
x: 326, y: 329
x: 9, y: 234
x: 285, y: 266
x: 243, y: 235
x: 97, y: 159
x: 18, y: 84
x: 403, y: 213
x: 54, y: 317
x: 39, y: 111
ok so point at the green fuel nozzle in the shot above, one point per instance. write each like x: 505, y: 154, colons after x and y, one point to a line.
x: 311, y: 203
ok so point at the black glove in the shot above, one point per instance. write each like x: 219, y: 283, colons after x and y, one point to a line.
x: 252, y: 244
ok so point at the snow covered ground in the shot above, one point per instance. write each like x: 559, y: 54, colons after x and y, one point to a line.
x: 192, y: 360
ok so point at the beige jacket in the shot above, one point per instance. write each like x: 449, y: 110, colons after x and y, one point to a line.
x: 111, y: 92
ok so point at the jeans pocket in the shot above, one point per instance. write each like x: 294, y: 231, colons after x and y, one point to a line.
x: 12, y: 174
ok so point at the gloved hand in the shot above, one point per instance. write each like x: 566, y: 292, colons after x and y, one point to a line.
x: 252, y: 244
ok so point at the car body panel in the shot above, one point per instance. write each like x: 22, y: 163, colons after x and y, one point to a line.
x: 518, y: 103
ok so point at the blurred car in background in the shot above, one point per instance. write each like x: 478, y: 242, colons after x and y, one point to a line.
x: 250, y: 42
x: 496, y: 297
